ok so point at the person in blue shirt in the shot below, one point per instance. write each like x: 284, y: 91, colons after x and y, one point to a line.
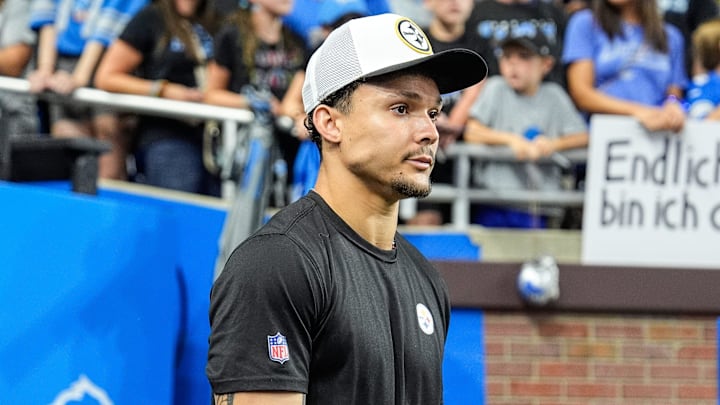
x: 703, y: 95
x: 623, y: 59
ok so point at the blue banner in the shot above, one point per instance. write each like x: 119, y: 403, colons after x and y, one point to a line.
x: 89, y: 300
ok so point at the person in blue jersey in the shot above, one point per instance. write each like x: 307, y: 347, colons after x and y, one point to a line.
x: 327, y: 303
x: 623, y: 59
x: 163, y: 52
x: 72, y: 36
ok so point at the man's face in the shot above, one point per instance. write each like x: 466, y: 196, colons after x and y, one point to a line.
x: 389, y: 138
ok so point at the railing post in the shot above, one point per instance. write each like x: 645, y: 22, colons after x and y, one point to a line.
x: 229, y: 142
x: 461, y: 204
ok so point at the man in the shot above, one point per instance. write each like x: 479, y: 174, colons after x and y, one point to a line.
x: 327, y: 303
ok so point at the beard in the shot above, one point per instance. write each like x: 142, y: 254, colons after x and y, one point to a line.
x: 411, y: 190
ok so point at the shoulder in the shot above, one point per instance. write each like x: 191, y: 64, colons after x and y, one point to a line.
x: 150, y: 12
x: 494, y: 84
x: 294, y: 238
x: 301, y: 224
x: 423, y: 266
x: 582, y: 17
x: 228, y: 31
x: 553, y: 89
x: 674, y: 34
x: 143, y: 27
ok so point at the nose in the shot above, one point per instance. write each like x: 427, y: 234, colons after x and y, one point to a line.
x: 427, y: 132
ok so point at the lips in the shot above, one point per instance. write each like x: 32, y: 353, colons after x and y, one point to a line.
x: 422, y: 161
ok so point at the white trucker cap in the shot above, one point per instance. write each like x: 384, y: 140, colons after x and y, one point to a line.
x: 376, y: 45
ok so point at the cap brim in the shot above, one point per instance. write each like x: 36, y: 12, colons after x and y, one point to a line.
x: 522, y: 42
x: 452, y: 70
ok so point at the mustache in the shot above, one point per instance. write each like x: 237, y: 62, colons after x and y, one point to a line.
x: 424, y: 151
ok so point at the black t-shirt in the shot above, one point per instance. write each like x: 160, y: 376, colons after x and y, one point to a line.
x: 307, y: 305
x: 494, y: 20
x: 274, y: 64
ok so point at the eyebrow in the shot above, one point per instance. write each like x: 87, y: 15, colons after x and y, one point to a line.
x: 416, y: 96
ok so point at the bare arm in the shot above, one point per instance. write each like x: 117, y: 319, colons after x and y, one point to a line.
x: 292, y: 105
x: 461, y: 111
x: 46, y: 58
x: 581, y: 78
x: 65, y: 83
x: 88, y: 61
x: 548, y: 146
x: 115, y: 74
x: 260, y: 398
x: 216, y: 88
x: 477, y: 132
x: 570, y: 141
x: 714, y: 114
x: 14, y: 58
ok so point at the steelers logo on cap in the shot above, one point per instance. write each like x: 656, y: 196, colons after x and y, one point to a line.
x: 413, y: 36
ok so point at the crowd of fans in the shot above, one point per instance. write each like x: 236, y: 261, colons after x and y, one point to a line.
x: 552, y: 64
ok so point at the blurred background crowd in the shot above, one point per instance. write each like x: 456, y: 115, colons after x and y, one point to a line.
x: 552, y: 65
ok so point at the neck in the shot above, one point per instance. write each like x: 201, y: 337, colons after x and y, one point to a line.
x: 267, y: 26
x: 530, y: 90
x: 374, y: 218
x: 446, y: 32
x: 629, y: 14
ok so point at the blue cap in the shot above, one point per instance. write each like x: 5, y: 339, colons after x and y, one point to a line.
x: 332, y: 10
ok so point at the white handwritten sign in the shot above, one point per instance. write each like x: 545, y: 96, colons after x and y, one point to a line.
x: 652, y: 199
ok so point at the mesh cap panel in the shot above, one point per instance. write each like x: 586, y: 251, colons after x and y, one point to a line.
x: 335, y: 65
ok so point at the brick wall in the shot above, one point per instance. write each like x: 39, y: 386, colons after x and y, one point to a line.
x: 587, y: 359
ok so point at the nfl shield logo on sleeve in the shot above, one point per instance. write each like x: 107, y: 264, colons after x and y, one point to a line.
x: 278, y: 348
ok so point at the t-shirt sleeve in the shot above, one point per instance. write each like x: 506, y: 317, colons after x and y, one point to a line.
x: 42, y: 13
x: 14, y: 28
x: 484, y: 107
x: 226, y: 47
x: 137, y: 32
x: 262, y: 312
x: 113, y: 17
x: 565, y: 113
x: 578, y: 36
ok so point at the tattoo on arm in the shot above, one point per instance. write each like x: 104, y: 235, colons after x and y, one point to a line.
x: 224, y: 399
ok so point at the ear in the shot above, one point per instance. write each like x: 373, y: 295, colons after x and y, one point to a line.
x: 328, y: 122
x: 547, y: 63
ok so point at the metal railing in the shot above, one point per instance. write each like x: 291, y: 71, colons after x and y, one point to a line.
x: 231, y: 118
x: 462, y: 194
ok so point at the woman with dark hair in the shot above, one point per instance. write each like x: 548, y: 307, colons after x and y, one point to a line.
x: 623, y: 59
x: 259, y: 64
x: 163, y: 52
